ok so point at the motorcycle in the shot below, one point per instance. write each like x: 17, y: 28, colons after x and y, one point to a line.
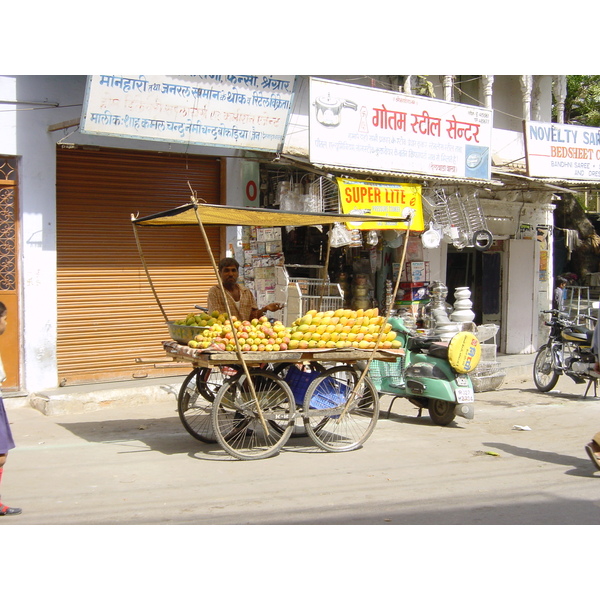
x: 568, y: 351
x: 432, y: 374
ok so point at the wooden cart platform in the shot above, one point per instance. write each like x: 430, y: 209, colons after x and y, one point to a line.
x: 210, y: 357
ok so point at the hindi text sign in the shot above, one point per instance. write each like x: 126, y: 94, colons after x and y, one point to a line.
x: 357, y: 126
x: 238, y: 111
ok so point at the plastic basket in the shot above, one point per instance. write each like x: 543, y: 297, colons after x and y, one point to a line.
x: 326, y: 396
x: 299, y: 380
x: 375, y: 372
x: 391, y: 371
x: 182, y: 334
x: 487, y: 383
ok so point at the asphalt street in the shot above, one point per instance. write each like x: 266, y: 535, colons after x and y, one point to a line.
x: 137, y: 465
x: 519, y: 462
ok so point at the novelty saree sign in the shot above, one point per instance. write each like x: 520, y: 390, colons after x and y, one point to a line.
x: 377, y: 198
x: 562, y: 151
x: 357, y: 126
x: 238, y: 111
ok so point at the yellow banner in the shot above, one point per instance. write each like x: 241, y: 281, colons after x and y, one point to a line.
x: 385, y: 199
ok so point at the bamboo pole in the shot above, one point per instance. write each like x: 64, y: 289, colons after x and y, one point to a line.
x: 139, y: 246
x: 238, y: 348
x: 385, y: 320
x: 326, y: 269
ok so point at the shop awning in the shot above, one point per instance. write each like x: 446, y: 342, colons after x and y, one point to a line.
x: 433, y: 179
x: 215, y: 214
x: 571, y: 186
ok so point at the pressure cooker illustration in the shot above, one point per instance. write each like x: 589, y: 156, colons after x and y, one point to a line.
x: 328, y: 109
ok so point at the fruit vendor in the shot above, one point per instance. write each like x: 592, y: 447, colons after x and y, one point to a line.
x: 242, y: 303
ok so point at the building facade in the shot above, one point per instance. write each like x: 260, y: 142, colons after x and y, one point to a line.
x: 80, y: 306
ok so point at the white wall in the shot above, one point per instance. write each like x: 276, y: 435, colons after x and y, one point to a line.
x: 24, y: 133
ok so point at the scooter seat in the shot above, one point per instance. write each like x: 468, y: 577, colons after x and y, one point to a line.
x: 421, y: 344
x: 438, y: 350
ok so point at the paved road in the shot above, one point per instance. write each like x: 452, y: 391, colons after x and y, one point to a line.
x: 137, y: 465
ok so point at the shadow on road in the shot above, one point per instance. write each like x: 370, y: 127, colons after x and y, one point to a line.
x: 582, y: 466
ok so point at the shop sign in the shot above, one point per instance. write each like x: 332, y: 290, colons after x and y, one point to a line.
x: 357, y: 126
x: 237, y: 111
x: 385, y: 199
x: 562, y: 151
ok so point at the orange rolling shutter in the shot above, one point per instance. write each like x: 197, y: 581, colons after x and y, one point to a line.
x: 107, y: 314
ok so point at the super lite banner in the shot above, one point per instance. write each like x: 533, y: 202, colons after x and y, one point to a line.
x: 386, y: 199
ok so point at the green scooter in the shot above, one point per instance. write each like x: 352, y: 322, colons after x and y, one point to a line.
x: 432, y: 374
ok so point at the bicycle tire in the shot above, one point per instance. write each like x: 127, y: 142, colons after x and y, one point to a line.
x: 194, y: 402
x: 236, y: 421
x: 341, y: 426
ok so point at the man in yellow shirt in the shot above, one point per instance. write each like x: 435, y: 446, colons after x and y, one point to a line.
x: 242, y: 303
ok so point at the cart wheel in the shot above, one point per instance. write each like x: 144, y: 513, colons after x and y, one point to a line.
x: 281, y: 370
x: 333, y: 423
x: 195, y: 400
x: 236, y: 421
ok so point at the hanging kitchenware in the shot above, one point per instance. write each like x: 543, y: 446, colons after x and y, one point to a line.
x: 431, y: 238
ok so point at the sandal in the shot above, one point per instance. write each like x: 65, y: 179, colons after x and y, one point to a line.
x: 5, y: 510
x: 593, y: 450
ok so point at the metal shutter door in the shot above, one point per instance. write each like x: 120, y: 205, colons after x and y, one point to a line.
x: 107, y: 314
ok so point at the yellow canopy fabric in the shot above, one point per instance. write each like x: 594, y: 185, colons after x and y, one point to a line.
x: 215, y: 214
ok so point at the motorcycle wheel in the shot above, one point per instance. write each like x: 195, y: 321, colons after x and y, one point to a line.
x: 544, y: 375
x: 440, y: 411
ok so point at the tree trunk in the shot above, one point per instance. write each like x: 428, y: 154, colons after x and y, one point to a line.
x: 585, y: 255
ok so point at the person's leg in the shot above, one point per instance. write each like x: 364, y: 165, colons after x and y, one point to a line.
x: 593, y: 450
x: 5, y: 510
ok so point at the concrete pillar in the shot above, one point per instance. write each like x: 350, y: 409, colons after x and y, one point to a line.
x: 448, y: 83
x: 559, y: 83
x: 487, y: 82
x: 526, y: 85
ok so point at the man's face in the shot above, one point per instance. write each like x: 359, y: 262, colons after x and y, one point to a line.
x: 3, y: 323
x: 229, y: 275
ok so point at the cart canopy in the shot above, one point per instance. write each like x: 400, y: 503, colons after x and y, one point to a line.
x: 216, y: 214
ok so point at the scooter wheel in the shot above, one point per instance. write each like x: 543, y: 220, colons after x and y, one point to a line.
x: 440, y: 411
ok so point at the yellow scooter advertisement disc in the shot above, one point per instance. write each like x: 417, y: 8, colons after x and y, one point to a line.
x: 464, y: 352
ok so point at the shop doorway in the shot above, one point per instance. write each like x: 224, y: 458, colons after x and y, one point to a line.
x: 10, y: 348
x: 481, y: 272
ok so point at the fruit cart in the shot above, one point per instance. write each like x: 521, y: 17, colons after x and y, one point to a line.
x: 250, y: 402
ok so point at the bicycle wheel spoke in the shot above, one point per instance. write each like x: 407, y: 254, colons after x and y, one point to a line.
x: 339, y: 414
x: 195, y: 400
x: 241, y: 428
